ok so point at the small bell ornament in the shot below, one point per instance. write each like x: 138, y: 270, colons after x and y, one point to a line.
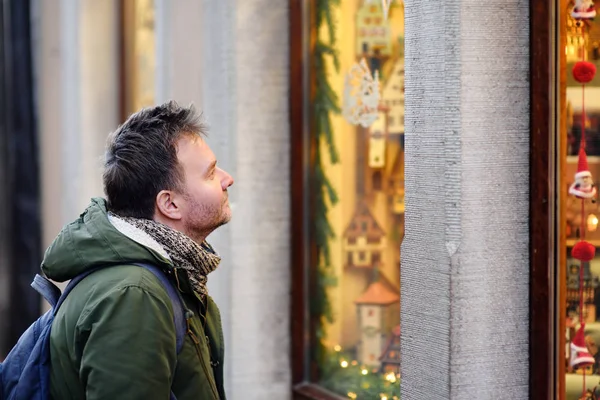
x: 584, y: 9
x: 583, y: 187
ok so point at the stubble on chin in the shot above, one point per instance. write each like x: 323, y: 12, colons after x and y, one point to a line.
x: 204, y: 220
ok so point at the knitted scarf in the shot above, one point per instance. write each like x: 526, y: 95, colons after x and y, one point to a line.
x: 198, y: 260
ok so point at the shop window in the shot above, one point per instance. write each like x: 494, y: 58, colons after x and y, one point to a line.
x: 577, y: 159
x: 354, y: 225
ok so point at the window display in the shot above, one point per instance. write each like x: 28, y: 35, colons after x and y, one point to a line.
x: 358, y: 196
x: 579, y: 166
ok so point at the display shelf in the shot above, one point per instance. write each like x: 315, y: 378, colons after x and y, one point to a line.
x: 572, y: 242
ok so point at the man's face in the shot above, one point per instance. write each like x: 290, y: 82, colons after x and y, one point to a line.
x: 205, y: 204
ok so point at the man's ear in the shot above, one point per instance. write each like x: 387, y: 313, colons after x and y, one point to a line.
x: 167, y: 205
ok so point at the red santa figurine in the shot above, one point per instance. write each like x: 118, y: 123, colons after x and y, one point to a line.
x: 580, y: 356
x: 584, y: 9
x: 583, y: 187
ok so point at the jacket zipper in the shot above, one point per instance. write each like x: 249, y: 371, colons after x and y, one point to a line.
x: 191, y: 334
x: 199, y: 352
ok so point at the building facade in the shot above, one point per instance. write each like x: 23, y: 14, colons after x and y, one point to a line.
x: 433, y: 267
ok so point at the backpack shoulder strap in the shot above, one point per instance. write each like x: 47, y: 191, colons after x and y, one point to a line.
x: 176, y: 300
x: 52, y: 293
x: 47, y: 289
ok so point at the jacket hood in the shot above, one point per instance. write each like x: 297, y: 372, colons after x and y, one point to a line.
x: 98, y: 239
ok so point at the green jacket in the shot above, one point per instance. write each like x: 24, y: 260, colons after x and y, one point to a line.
x: 114, y: 336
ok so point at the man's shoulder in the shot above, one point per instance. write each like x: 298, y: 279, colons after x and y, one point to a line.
x: 118, y: 277
x: 126, y: 282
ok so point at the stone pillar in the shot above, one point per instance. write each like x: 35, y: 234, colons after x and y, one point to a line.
x: 230, y: 58
x: 261, y: 231
x: 465, y: 274
x: 78, y: 96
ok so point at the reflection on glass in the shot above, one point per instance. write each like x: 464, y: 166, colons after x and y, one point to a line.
x: 362, y: 342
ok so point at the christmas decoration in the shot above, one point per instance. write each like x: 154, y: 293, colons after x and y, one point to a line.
x: 361, y: 95
x: 583, y: 251
x: 364, y: 239
x: 584, y: 9
x: 582, y: 188
x: 373, y: 31
x: 368, y: 368
x: 385, y: 5
x: 377, y: 139
x: 579, y: 352
x: 584, y: 71
x: 392, y: 96
x: 348, y: 376
x: 325, y: 104
x: 373, y: 314
x: 390, y: 359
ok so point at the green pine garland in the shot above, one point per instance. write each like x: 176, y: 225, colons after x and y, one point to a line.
x: 325, y: 104
x: 350, y: 381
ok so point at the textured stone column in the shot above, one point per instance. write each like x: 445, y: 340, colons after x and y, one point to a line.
x: 236, y: 70
x: 260, y: 232
x: 465, y: 273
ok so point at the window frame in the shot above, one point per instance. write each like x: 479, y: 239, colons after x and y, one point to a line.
x: 545, y: 380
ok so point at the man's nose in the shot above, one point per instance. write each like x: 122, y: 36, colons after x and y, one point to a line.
x: 226, y: 181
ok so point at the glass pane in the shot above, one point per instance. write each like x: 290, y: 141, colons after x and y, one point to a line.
x: 579, y: 165
x: 359, y: 198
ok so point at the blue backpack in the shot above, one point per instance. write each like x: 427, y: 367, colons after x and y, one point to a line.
x: 25, y: 373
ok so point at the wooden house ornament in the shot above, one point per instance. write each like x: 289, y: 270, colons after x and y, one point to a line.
x: 392, y: 96
x: 376, y: 307
x: 372, y: 32
x: 364, y: 240
x: 390, y: 359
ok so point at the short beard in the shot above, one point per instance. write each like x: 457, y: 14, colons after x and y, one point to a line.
x: 204, y: 220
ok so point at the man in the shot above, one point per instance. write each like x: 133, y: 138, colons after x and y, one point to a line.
x: 114, y: 336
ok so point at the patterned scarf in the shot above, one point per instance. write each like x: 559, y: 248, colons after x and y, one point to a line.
x: 198, y: 260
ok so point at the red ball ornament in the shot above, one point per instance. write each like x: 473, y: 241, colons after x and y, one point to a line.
x: 583, y: 251
x: 584, y: 71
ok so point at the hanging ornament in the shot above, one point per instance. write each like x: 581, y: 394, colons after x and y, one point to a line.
x: 584, y: 9
x: 583, y: 251
x: 385, y: 6
x: 584, y: 71
x: 580, y: 356
x: 361, y: 95
x: 583, y: 188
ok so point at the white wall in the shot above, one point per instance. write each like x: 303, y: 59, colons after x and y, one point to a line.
x: 77, y: 70
x: 230, y: 58
x: 77, y: 76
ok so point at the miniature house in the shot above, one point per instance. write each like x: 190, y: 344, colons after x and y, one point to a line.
x: 364, y: 240
x: 395, y: 187
x: 390, y: 359
x: 392, y: 96
x: 377, y: 139
x: 372, y: 32
x: 377, y: 307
